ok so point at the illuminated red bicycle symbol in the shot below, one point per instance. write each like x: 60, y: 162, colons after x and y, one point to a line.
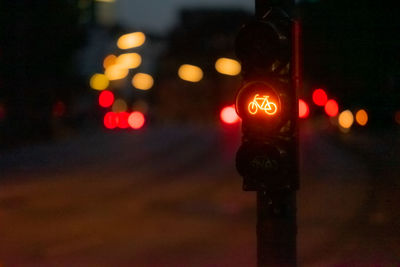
x: 269, y: 107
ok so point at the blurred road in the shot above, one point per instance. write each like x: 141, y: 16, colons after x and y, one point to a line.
x: 170, y: 196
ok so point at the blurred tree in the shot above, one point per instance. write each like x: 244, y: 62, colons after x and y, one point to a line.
x: 38, y: 41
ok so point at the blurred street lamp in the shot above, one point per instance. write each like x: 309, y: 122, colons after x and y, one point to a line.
x: 131, y: 40
x: 304, y: 110
x: 142, y: 81
x: 331, y: 108
x: 99, y: 81
x: 228, y: 66
x: 122, y: 122
x: 319, y: 97
x: 106, y: 99
x: 129, y: 60
x: 110, y: 120
x: 346, y: 119
x: 140, y: 105
x: 119, y: 105
x: 109, y: 60
x: 362, y: 117
x: 190, y: 73
x: 116, y: 72
x: 228, y: 115
x: 136, y: 120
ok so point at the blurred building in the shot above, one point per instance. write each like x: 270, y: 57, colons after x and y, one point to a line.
x: 201, y: 37
x: 38, y: 77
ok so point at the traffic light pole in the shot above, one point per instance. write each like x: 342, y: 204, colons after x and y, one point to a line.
x: 276, y: 228
x: 276, y: 210
x: 269, y: 50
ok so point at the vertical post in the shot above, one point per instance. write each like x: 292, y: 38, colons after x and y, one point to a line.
x: 276, y: 210
x: 276, y: 228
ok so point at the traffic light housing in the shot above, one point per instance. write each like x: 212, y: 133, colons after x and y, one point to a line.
x: 267, y: 103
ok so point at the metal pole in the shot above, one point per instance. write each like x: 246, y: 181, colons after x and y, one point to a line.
x: 276, y: 211
x: 276, y: 228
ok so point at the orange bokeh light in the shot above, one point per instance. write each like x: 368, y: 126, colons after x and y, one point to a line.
x: 109, y: 60
x: 331, y: 108
x: 136, y: 120
x: 228, y: 115
x: 362, y: 117
x: 319, y: 97
x: 304, y: 111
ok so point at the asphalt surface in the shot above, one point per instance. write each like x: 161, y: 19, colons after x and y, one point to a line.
x: 170, y: 196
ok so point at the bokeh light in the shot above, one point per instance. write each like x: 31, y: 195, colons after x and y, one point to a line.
x: 331, y: 108
x: 110, y: 120
x: 119, y: 105
x: 131, y: 40
x: 129, y: 60
x: 228, y: 66
x: 142, y: 81
x: 136, y: 120
x: 397, y: 117
x: 346, y: 119
x: 304, y: 110
x: 116, y: 72
x: 140, y: 105
x: 59, y: 109
x: 109, y: 61
x: 106, y: 99
x: 228, y: 115
x: 190, y: 73
x: 99, y: 81
x: 362, y: 117
x: 122, y: 121
x: 319, y: 97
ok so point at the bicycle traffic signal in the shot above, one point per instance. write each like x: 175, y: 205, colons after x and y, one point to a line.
x: 267, y: 104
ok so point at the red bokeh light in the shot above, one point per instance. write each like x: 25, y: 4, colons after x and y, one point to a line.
x: 110, y: 120
x: 319, y: 97
x: 59, y: 109
x: 136, y: 120
x: 331, y: 108
x: 304, y: 111
x: 228, y: 115
x: 106, y: 99
x: 122, y: 120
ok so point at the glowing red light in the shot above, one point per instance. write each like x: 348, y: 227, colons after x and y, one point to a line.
x: 122, y: 121
x: 110, y: 120
x: 304, y: 111
x: 331, y: 108
x: 136, y: 120
x: 228, y: 115
x: 59, y: 109
x: 106, y: 99
x: 319, y: 97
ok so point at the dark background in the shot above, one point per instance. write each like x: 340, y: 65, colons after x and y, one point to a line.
x: 73, y: 192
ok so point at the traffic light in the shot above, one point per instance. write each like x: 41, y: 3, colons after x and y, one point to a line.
x: 267, y: 104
